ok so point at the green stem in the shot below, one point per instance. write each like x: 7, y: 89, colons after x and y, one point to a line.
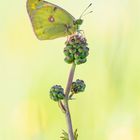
x: 67, y: 113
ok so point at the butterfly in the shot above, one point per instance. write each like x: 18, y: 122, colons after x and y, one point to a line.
x: 50, y: 21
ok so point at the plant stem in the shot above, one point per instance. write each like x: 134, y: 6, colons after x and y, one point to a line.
x: 67, y: 113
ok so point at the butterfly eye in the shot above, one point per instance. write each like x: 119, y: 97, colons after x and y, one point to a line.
x: 78, y: 22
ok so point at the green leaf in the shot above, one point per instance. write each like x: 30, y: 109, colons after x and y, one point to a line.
x: 66, y: 137
x: 75, y: 135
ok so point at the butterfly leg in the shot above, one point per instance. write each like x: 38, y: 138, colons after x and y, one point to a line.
x: 81, y: 32
x: 68, y: 38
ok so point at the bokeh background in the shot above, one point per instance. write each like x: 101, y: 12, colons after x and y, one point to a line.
x: 110, y: 107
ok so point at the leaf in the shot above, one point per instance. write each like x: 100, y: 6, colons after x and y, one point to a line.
x: 66, y: 137
x: 75, y: 135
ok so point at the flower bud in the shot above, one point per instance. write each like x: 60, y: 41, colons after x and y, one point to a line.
x: 76, y: 50
x: 68, y: 59
x: 80, y: 61
x: 78, y: 86
x: 57, y: 93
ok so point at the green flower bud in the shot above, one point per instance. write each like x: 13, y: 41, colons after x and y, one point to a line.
x: 76, y: 50
x: 87, y: 49
x: 66, y: 52
x: 77, y: 55
x: 72, y: 50
x: 80, y: 61
x: 69, y: 46
x: 69, y: 59
x: 80, y: 50
x: 57, y: 93
x: 78, y: 86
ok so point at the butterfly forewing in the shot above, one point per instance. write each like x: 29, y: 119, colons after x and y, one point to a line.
x: 49, y: 21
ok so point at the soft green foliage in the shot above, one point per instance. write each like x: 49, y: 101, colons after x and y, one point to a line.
x: 57, y: 93
x: 76, y: 50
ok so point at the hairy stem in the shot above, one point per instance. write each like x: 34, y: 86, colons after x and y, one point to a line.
x: 67, y: 113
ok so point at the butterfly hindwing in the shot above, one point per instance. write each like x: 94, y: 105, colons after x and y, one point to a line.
x: 49, y: 21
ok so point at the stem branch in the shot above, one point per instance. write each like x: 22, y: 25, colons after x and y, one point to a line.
x: 67, y: 91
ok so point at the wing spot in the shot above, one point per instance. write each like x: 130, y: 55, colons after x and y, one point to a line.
x: 51, y: 19
x: 55, y: 8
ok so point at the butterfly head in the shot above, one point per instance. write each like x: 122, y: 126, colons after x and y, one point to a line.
x: 78, y: 23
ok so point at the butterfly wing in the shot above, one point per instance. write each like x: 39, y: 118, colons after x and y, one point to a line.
x: 50, y: 21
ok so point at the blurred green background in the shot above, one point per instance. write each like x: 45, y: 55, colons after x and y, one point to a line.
x: 110, y: 107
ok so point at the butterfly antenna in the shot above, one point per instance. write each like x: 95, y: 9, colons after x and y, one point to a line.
x: 85, y: 11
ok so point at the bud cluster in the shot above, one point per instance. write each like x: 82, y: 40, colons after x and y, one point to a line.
x: 57, y: 93
x: 78, y: 86
x: 76, y: 50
